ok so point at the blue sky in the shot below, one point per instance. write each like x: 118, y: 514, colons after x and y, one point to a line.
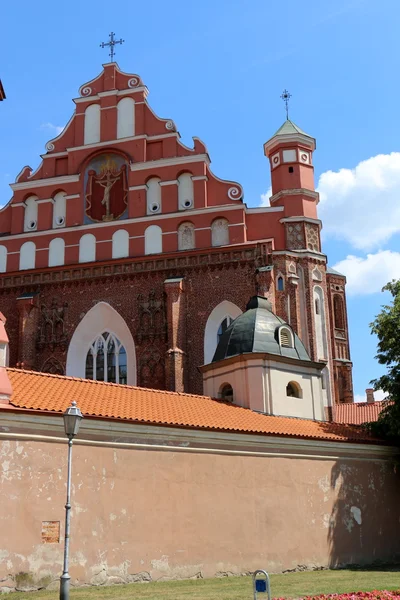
x: 218, y: 69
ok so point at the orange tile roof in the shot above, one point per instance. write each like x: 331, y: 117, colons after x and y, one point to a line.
x: 53, y: 393
x: 359, y: 412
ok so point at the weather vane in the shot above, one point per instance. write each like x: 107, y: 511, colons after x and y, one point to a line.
x: 111, y: 43
x: 286, y: 97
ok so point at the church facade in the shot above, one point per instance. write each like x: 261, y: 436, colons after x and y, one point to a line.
x: 124, y: 259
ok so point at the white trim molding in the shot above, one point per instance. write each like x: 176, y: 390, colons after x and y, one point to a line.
x: 26, y: 185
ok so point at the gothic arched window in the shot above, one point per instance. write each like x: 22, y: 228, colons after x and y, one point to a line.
x: 280, y: 285
x: 223, y: 327
x: 106, y: 360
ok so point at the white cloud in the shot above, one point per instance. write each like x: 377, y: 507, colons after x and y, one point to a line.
x: 265, y: 198
x: 56, y: 129
x: 368, y: 275
x: 361, y: 205
x: 378, y: 395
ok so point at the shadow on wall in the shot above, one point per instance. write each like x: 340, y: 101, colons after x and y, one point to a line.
x: 364, y: 527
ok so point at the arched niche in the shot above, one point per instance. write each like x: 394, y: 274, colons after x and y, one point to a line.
x: 27, y: 256
x: 220, y: 232
x: 186, y: 236
x: 3, y: 259
x: 56, y: 252
x: 59, y: 210
x: 31, y: 214
x: 120, y: 243
x: 217, y: 316
x: 185, y: 191
x: 102, y: 317
x: 153, y: 196
x: 87, y: 248
x: 320, y: 323
x: 153, y: 240
x: 125, y: 118
x: 92, y: 124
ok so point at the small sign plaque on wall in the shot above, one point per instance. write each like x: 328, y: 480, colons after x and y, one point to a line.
x: 50, y: 532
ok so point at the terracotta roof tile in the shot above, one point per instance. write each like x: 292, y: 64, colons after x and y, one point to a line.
x: 359, y: 412
x: 53, y: 393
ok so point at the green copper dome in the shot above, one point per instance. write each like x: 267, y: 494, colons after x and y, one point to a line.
x: 259, y: 330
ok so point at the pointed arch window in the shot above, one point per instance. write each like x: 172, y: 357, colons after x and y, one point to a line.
x: 223, y: 327
x: 106, y: 360
x: 280, y: 284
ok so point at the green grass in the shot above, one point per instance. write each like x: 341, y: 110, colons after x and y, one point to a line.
x: 290, y: 585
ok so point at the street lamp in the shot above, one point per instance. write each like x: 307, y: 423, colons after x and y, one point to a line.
x: 72, y: 420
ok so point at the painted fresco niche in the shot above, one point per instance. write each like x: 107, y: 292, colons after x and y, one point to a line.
x: 106, y: 188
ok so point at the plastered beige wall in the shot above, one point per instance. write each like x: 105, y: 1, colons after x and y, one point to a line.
x: 153, y: 514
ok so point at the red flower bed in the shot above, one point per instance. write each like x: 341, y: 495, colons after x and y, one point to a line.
x: 375, y: 595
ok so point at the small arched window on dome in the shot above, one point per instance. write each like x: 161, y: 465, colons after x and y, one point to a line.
x: 286, y: 337
x: 293, y: 390
x: 226, y: 392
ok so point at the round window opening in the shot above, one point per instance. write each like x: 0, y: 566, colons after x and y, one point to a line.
x: 60, y: 220
x: 226, y: 393
x: 187, y: 203
x: 154, y: 207
x: 32, y: 224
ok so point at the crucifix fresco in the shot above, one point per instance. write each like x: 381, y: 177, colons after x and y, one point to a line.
x: 106, y: 188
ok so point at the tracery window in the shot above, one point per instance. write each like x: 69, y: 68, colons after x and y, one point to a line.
x: 106, y: 360
x: 223, y: 327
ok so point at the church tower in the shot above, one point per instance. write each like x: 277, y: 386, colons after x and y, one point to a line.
x: 303, y: 286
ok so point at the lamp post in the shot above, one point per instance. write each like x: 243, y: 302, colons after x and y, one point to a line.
x: 72, y: 420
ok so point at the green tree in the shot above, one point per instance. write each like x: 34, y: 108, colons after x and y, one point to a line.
x: 387, y: 328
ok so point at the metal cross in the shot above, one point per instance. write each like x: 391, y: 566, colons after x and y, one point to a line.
x: 111, y: 43
x: 286, y: 97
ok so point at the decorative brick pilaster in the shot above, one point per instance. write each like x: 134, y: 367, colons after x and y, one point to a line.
x: 176, y: 326
x: 27, y: 330
x: 265, y: 284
